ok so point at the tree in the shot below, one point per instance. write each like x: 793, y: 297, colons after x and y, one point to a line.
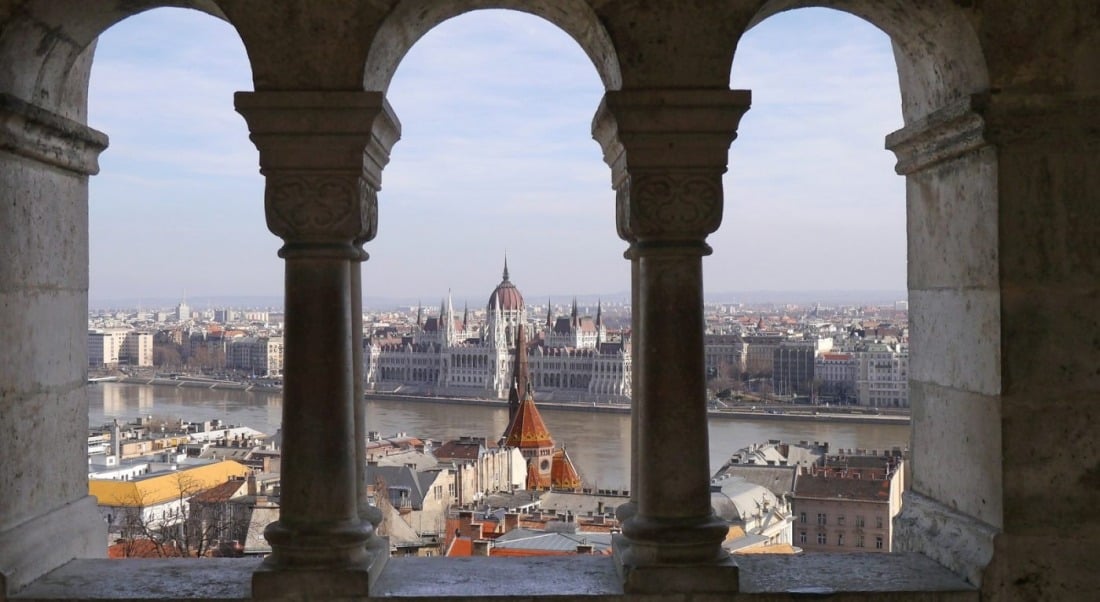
x: 190, y: 525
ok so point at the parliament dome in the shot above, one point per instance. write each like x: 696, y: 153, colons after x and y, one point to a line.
x: 506, y: 295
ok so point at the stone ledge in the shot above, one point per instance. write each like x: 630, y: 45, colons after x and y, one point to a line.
x: 38, y: 134
x: 900, y: 577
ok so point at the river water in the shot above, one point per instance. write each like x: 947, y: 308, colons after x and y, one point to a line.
x: 598, y: 443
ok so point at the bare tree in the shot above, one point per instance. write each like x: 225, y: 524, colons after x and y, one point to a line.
x: 191, y: 524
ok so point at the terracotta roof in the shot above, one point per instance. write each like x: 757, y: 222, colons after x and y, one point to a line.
x: 461, y: 546
x: 821, y: 487
x: 458, y: 450
x: 836, y: 356
x: 528, y: 431
x: 220, y: 493
x: 141, y: 548
x: 563, y: 474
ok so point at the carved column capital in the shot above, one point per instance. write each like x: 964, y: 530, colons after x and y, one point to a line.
x: 323, y: 155
x: 667, y: 150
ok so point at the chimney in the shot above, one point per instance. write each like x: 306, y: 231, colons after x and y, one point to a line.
x: 482, y: 547
x: 584, y: 548
x: 511, y: 521
x: 116, y: 439
x: 251, y: 483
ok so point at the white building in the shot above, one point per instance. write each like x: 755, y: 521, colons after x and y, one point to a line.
x: 111, y: 347
x: 883, y: 378
x: 262, y: 356
x: 570, y: 358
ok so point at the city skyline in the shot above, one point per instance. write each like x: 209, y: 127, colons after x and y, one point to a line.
x: 496, y: 109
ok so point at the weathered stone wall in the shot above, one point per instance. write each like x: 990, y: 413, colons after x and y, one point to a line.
x: 1000, y: 155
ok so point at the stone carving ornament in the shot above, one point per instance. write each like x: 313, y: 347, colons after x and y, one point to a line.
x: 323, y: 207
x: 671, y: 205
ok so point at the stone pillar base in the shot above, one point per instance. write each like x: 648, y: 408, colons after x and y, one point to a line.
x: 959, y: 542
x: 46, y: 542
x: 310, y: 584
x: 721, y: 576
x: 270, y: 583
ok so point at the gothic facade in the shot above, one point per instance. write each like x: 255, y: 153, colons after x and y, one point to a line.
x: 571, y: 358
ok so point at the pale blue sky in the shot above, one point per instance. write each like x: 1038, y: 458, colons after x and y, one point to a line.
x: 496, y: 155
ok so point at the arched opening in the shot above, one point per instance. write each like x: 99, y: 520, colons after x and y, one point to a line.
x: 412, y: 19
x: 496, y: 157
x: 806, y: 286
x: 951, y: 275
x: 175, y: 236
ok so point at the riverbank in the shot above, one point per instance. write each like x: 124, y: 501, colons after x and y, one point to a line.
x: 775, y: 412
x: 802, y: 413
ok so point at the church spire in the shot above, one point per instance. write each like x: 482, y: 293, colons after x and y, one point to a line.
x: 599, y: 323
x: 521, y: 381
x: 549, y: 316
x: 465, y: 316
x: 505, y: 267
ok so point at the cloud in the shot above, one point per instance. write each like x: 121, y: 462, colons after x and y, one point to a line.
x: 496, y: 154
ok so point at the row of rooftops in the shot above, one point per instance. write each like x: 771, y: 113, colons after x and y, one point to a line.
x: 808, y: 470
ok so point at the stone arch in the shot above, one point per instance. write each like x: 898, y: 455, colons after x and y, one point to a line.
x: 954, y: 508
x: 411, y: 19
x: 938, y: 54
x: 47, y: 49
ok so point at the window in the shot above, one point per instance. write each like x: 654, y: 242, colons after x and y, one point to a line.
x: 802, y: 517
x: 878, y: 542
x: 878, y: 522
x: 859, y: 540
x: 859, y: 521
x: 801, y: 537
x: 821, y: 520
x: 839, y: 539
x: 840, y: 520
x: 821, y: 538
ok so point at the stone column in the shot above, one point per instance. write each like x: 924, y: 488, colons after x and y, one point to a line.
x: 950, y: 169
x: 321, y: 200
x: 668, y: 150
x: 47, y: 517
x: 385, y: 133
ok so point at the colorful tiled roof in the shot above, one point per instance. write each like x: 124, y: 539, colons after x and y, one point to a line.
x: 527, y: 430
x: 563, y: 474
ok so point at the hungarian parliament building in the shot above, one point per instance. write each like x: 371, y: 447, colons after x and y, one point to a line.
x: 571, y: 358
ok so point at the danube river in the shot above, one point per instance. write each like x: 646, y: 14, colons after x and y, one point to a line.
x: 599, y: 443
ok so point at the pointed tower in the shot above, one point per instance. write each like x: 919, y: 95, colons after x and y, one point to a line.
x: 419, y: 314
x: 465, y: 316
x: 528, y: 433
x: 520, y: 374
x: 599, y: 323
x: 448, y: 323
x: 549, y: 317
x: 573, y: 315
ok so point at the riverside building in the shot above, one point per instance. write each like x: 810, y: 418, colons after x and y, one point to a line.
x: 571, y: 357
